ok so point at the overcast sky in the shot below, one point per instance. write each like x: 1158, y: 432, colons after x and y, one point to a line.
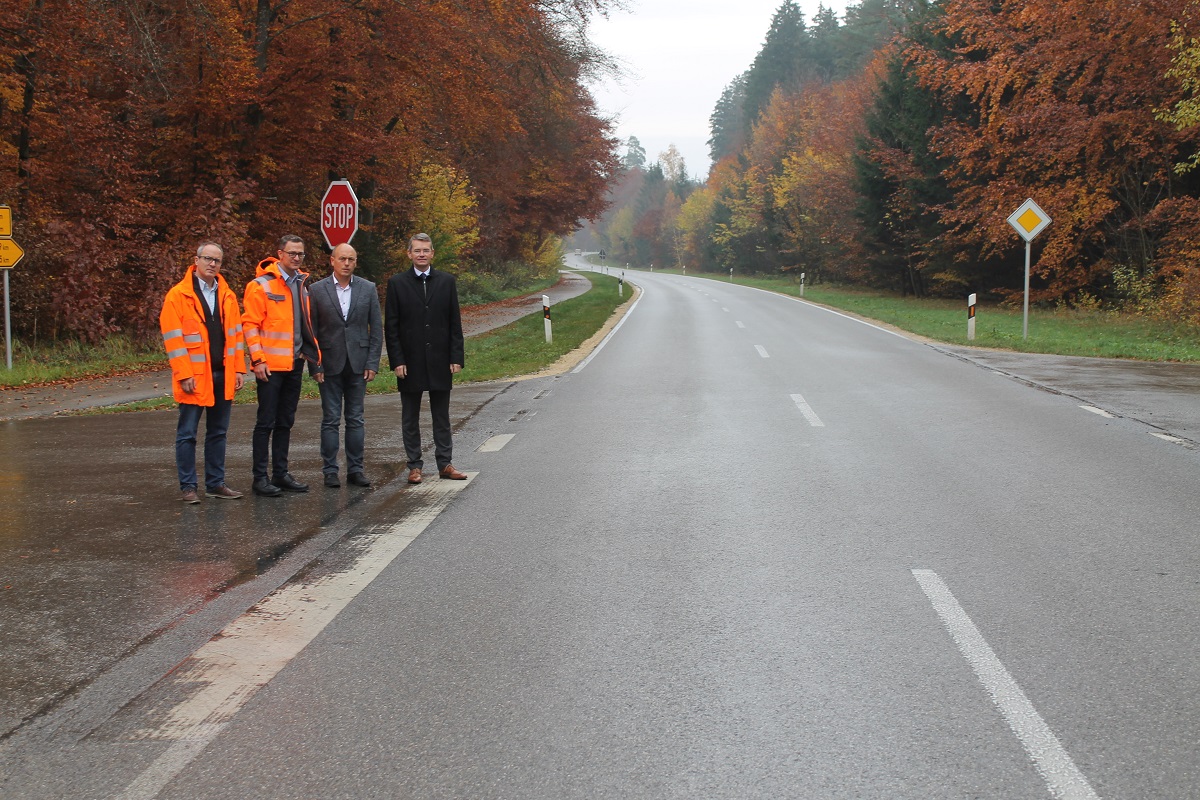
x: 679, y: 55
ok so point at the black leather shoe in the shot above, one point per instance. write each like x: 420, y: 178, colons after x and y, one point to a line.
x: 287, y: 482
x: 332, y: 481
x: 264, y: 488
x: 358, y: 479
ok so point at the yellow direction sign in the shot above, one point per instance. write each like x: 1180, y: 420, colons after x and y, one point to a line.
x: 5, y: 221
x: 1029, y: 220
x: 10, y: 253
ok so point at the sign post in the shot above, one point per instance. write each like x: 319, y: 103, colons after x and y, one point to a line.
x: 339, y: 214
x: 10, y: 255
x: 1028, y: 220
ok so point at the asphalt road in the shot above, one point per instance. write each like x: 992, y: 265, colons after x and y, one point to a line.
x: 752, y: 548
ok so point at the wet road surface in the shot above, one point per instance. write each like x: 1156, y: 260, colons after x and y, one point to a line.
x: 112, y: 581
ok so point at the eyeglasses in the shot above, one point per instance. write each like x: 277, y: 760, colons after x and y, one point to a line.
x: 210, y: 259
x: 300, y: 255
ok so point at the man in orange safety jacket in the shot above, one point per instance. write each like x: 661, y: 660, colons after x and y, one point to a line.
x: 202, y: 331
x: 280, y: 339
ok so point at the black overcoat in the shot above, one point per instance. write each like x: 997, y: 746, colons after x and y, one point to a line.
x: 422, y: 327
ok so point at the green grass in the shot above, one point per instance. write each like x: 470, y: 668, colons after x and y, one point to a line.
x: 63, y: 361
x: 521, y: 348
x: 1076, y: 333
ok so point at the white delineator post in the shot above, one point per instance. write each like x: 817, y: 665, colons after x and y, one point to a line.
x: 971, y: 318
x: 621, y: 285
x: 802, y: 284
x: 546, y: 315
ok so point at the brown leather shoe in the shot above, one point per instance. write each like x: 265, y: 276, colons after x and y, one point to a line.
x: 189, y: 496
x: 450, y: 473
x: 414, y: 475
x: 222, y: 492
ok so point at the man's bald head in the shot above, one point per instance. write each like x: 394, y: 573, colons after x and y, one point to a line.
x: 343, y: 260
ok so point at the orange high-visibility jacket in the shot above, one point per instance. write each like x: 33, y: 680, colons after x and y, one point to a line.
x: 268, y: 322
x: 186, y: 338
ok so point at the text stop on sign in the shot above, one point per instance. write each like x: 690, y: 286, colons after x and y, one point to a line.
x: 339, y: 214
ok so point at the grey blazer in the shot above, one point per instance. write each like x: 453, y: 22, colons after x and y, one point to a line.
x: 358, y: 338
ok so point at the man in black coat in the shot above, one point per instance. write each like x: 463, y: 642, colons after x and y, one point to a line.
x: 345, y: 315
x: 423, y: 331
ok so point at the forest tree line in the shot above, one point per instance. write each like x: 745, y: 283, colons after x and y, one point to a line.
x: 887, y: 149
x: 131, y: 131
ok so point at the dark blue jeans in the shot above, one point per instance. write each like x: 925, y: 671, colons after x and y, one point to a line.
x: 216, y: 425
x: 277, y: 399
x: 343, y: 393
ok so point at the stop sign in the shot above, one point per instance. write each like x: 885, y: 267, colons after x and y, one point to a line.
x: 339, y: 214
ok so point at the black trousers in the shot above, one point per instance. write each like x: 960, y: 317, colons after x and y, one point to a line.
x: 278, y: 396
x: 410, y: 427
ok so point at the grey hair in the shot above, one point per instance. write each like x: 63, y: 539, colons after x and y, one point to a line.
x: 420, y: 237
x: 203, y: 245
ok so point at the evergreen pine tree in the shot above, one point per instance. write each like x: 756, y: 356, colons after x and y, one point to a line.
x: 782, y: 61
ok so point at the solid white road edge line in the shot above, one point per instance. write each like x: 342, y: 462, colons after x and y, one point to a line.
x: 496, y: 443
x: 1166, y: 437
x: 611, y: 334
x: 1053, y: 763
x: 807, y: 411
x: 1098, y: 411
x: 251, y: 650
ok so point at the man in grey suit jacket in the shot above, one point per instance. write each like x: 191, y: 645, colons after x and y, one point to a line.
x: 346, y: 318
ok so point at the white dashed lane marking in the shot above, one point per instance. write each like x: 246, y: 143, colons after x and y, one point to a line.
x: 807, y: 411
x: 496, y: 443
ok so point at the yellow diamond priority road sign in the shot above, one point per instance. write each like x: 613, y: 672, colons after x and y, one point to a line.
x: 1029, y: 220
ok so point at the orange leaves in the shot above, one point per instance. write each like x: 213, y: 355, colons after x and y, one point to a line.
x: 131, y: 131
x: 1062, y: 95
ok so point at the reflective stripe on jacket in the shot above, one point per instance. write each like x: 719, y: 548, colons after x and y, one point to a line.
x: 268, y: 324
x: 186, y: 338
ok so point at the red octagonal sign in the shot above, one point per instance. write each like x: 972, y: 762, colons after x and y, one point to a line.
x: 339, y: 214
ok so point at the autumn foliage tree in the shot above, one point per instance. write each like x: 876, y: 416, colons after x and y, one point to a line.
x: 1063, y: 96
x: 895, y: 144
x: 129, y: 132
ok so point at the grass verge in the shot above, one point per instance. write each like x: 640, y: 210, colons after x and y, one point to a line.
x: 47, y: 364
x: 520, y: 348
